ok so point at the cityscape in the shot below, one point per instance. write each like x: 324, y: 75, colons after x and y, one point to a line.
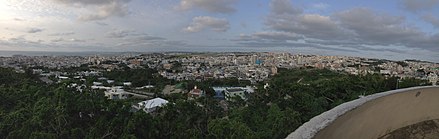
x: 254, y: 67
x: 149, y: 82
x: 219, y: 69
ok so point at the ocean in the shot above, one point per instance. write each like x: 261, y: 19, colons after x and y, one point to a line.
x: 42, y: 53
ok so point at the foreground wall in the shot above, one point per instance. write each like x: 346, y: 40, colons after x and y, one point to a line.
x: 373, y: 116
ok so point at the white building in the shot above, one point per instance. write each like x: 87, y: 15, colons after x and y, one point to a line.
x: 127, y: 83
x: 150, y: 105
x: 433, y: 78
x: 233, y: 92
x: 97, y: 83
x: 116, y: 93
x: 385, y: 72
x: 63, y: 77
x: 110, y: 81
x: 230, y: 92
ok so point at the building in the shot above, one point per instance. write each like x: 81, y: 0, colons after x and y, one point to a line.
x: 127, y: 84
x: 97, y: 83
x: 110, y: 81
x: 266, y: 86
x: 195, y: 93
x: 259, y: 62
x: 433, y: 78
x: 220, y: 92
x: 230, y: 93
x: 150, y: 105
x: 63, y: 77
x: 167, y: 66
x: 273, y: 70
x: 116, y: 93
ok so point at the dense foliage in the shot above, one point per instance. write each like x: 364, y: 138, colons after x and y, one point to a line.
x: 139, y: 77
x: 30, y: 109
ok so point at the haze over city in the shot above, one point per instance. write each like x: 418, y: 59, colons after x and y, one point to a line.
x: 394, y: 29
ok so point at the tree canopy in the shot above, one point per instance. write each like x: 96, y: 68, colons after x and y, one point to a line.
x: 31, y: 109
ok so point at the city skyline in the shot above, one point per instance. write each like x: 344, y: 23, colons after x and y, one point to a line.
x: 396, y: 29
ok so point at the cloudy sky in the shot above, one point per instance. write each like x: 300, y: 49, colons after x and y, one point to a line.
x: 391, y: 29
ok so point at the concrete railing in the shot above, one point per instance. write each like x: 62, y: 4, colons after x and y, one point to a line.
x: 373, y: 116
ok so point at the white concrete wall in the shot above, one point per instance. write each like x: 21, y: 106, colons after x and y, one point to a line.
x: 374, y: 115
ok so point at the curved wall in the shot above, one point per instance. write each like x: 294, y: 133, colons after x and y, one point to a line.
x: 373, y: 116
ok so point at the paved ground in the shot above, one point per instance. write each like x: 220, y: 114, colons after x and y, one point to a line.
x: 382, y: 116
x: 423, y: 130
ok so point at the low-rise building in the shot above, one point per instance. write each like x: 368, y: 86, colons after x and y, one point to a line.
x: 230, y: 93
x: 127, y: 83
x: 433, y: 78
x: 116, y: 93
x: 195, y: 93
x: 150, y: 105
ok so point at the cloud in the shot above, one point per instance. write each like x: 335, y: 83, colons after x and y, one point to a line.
x: 34, y: 30
x: 243, y: 24
x: 57, y: 40
x: 284, y: 7
x: 89, y: 2
x: 18, y: 19
x: 119, y: 33
x: 277, y: 35
x: 62, y: 34
x: 213, y: 6
x: 132, y: 35
x: 419, y: 5
x: 99, y: 9
x: 20, y: 42
x: 17, y: 39
x: 320, y: 6
x: 133, y: 40
x: 368, y: 26
x: 201, y: 23
x: 146, y: 37
x: 284, y: 16
x: 105, y: 11
x: 369, y: 48
x: 140, y: 42
x: 67, y: 40
x: 433, y: 20
x: 102, y: 23
x: 293, y: 45
x: 355, y: 29
x: 269, y: 36
x: 76, y: 40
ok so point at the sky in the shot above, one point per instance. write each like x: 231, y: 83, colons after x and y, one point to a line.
x: 390, y: 29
